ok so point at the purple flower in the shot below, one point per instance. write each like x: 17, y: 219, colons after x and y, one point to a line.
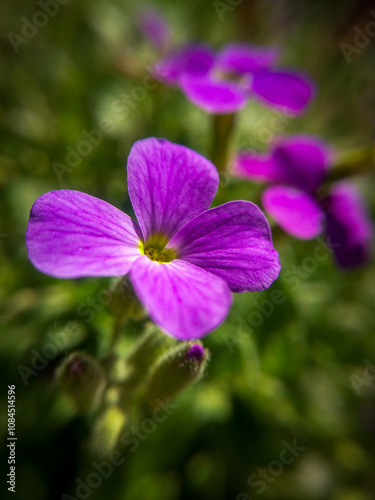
x: 154, y: 27
x: 183, y: 259
x: 223, y: 82
x: 297, y: 167
x: 348, y: 225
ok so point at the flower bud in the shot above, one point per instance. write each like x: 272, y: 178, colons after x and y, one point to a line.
x: 124, y: 303
x: 82, y: 379
x: 148, y: 349
x: 176, y: 370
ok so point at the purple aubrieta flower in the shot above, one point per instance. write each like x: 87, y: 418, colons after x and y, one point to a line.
x: 223, y: 82
x: 183, y: 259
x: 154, y: 27
x: 297, y: 167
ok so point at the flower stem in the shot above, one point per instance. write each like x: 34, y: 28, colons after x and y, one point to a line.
x: 353, y: 162
x: 223, y: 126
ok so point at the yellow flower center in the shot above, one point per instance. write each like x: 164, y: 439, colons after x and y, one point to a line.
x: 154, y: 249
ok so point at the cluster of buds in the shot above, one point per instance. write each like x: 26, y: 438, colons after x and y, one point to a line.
x: 156, y: 369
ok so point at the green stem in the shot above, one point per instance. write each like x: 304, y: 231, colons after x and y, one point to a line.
x: 223, y: 126
x: 353, y: 162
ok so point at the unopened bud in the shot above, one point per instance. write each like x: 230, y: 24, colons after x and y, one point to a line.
x: 82, y: 379
x: 176, y: 370
x: 124, y: 303
x: 147, y: 350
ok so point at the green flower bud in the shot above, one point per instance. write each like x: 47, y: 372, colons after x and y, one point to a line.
x: 82, y: 379
x: 148, y: 349
x: 124, y: 303
x: 176, y: 370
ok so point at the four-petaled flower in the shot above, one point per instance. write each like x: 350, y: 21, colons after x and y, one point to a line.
x: 183, y: 259
x: 223, y: 82
x: 298, y: 166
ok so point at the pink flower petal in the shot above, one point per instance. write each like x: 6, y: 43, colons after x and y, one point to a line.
x: 185, y: 301
x: 72, y: 235
x: 295, y: 211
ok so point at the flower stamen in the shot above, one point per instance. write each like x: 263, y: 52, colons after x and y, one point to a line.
x: 155, y: 250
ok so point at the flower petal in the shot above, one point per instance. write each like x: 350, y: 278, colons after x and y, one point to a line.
x: 349, y: 228
x: 213, y: 95
x: 302, y: 161
x: 184, y: 300
x: 295, y: 211
x: 289, y: 91
x: 256, y: 166
x: 168, y: 185
x: 243, y: 58
x: 299, y: 160
x: 232, y: 241
x: 72, y: 235
x: 194, y: 60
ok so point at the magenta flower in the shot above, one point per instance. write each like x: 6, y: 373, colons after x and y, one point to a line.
x: 348, y: 225
x: 223, y: 82
x: 183, y: 259
x: 154, y: 27
x: 297, y: 166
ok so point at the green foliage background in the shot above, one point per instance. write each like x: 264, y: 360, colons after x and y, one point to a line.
x: 288, y: 376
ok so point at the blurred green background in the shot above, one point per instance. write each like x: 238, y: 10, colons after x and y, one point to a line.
x: 295, y: 363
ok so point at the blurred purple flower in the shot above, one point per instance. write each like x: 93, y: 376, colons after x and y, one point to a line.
x: 297, y: 166
x: 154, y: 27
x: 348, y: 225
x: 223, y: 82
x: 183, y: 259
